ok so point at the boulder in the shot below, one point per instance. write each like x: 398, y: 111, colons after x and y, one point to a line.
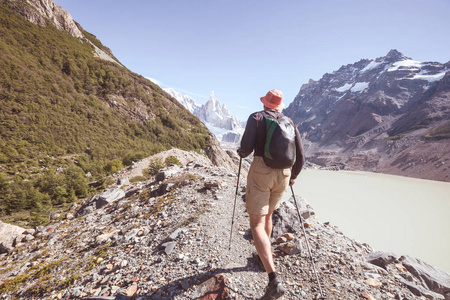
x: 8, y: 233
x: 291, y: 248
x: 98, y: 201
x: 435, y: 279
x: 169, y: 247
x: 167, y: 172
x: 123, y: 181
x: 380, y: 259
x: 285, y: 218
x: 420, y: 291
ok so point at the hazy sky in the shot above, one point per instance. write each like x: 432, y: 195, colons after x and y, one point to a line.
x: 243, y: 48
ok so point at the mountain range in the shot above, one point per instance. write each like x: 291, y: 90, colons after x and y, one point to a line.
x: 214, y: 115
x: 390, y: 115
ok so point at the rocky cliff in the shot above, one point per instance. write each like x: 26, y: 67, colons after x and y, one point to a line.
x: 40, y: 12
x: 388, y: 115
x: 168, y: 238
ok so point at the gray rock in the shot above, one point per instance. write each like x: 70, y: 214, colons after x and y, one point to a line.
x: 175, y: 234
x: 131, y: 234
x: 27, y: 238
x: 123, y: 181
x: 30, y: 231
x: 98, y: 201
x: 108, y: 196
x: 54, y: 216
x: 291, y: 248
x: 6, y: 247
x: 132, y: 192
x: 435, y: 279
x: 381, y: 259
x: 167, y: 172
x: 76, y: 292
x: 169, y: 247
x: 123, y: 263
x: 285, y: 218
x: 420, y: 291
x: 184, y: 284
x: 8, y: 233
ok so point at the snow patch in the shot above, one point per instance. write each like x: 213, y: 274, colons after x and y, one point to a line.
x: 355, y: 88
x: 372, y: 65
x: 344, y: 88
x: 430, y: 78
x: 359, y: 87
x: 410, y: 64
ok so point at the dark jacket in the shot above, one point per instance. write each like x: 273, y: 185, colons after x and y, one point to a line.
x: 255, y: 135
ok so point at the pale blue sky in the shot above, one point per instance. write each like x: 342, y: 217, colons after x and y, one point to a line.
x: 243, y: 48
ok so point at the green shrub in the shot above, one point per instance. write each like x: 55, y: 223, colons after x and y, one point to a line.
x: 132, y: 157
x: 113, y: 166
x: 172, y: 160
x: 145, y: 172
x: 155, y: 165
x: 138, y: 179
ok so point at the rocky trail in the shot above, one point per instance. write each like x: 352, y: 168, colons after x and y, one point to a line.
x: 168, y: 238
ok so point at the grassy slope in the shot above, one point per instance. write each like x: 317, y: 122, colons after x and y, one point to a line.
x: 58, y: 101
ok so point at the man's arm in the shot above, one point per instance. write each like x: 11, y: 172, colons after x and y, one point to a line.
x: 249, y: 137
x: 300, y: 158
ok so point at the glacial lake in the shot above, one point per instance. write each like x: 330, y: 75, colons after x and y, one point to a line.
x: 396, y: 214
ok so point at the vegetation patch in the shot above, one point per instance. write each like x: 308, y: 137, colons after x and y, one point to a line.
x: 66, y: 113
x: 440, y: 133
x: 39, y: 271
x: 138, y: 179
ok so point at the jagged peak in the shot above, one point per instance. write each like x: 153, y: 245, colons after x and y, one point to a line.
x: 394, y: 54
x: 212, y: 97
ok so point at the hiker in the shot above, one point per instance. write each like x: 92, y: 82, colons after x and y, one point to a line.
x: 265, y: 185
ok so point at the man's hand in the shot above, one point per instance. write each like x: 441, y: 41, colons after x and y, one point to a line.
x: 292, y: 182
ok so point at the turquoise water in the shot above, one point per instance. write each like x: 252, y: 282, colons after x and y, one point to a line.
x: 396, y: 214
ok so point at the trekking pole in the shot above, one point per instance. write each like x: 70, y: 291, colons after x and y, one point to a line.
x: 307, y: 244
x: 234, y: 207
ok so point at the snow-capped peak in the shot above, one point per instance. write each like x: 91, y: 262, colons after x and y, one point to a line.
x: 214, y: 115
x: 187, y: 101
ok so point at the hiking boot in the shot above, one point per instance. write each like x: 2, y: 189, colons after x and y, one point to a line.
x: 274, y: 290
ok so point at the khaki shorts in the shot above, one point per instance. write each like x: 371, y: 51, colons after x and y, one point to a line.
x: 265, y: 187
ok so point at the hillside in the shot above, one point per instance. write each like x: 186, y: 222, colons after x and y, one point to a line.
x: 389, y: 115
x: 70, y: 109
x: 168, y: 238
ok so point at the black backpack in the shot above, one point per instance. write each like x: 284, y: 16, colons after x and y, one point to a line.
x: 279, y: 145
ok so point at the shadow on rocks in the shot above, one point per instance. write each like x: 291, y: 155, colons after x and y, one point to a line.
x: 212, y: 284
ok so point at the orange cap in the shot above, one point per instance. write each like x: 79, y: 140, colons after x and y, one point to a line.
x: 273, y: 99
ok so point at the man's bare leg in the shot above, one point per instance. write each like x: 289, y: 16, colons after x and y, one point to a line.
x: 261, y: 230
x: 261, y: 227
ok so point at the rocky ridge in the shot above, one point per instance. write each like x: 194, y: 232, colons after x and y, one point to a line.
x: 168, y: 238
x: 384, y: 115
